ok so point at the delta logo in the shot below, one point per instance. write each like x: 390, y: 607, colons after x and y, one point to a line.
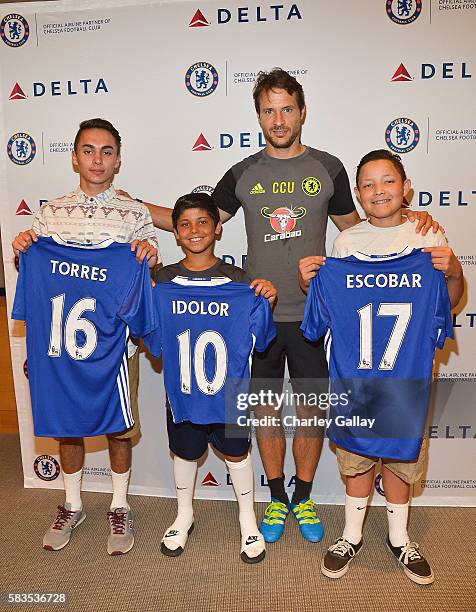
x: 226, y: 140
x: 201, y: 144
x: 23, y: 209
x: 445, y: 70
x: 60, y: 88
x: 198, y: 20
x: 401, y: 75
x: 210, y: 481
x: 248, y: 14
x: 17, y: 93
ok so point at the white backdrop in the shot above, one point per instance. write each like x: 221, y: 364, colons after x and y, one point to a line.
x: 368, y: 68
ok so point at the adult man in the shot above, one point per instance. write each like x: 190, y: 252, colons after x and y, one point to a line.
x: 92, y: 214
x: 287, y: 192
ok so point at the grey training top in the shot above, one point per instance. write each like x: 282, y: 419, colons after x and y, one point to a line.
x: 286, y: 204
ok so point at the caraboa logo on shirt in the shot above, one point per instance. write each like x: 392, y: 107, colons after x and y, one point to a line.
x: 283, y: 221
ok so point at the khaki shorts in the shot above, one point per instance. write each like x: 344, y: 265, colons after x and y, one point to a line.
x: 351, y: 464
x: 133, y: 369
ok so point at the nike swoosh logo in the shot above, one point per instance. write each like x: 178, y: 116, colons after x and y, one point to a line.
x: 181, y: 488
x: 363, y: 507
x: 246, y: 493
x: 171, y: 533
x: 251, y: 540
x: 391, y: 511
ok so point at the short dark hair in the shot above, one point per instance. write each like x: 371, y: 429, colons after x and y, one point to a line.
x: 381, y: 154
x: 195, y: 200
x: 277, y: 78
x: 101, y: 124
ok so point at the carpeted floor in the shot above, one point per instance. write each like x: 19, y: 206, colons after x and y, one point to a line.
x: 209, y: 575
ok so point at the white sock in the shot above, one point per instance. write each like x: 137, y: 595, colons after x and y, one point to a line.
x: 241, y: 474
x: 184, y: 475
x: 397, y: 515
x: 72, y: 487
x: 120, y: 484
x: 355, y: 508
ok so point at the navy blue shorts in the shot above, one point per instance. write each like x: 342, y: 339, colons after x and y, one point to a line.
x: 189, y: 440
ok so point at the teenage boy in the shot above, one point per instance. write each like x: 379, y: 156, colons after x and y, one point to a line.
x: 381, y: 186
x: 88, y: 216
x: 195, y: 410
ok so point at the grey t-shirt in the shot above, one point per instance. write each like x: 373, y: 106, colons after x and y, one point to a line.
x: 286, y: 204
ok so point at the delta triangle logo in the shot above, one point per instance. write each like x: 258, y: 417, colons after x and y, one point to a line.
x: 17, y: 93
x: 23, y: 209
x: 201, y: 144
x: 401, y: 74
x: 198, y: 20
x: 210, y: 481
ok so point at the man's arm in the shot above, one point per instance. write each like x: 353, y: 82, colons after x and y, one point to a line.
x: 343, y: 222
x: 161, y: 216
x: 443, y: 258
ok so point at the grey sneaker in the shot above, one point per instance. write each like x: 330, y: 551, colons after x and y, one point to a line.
x: 121, y: 538
x: 59, y: 534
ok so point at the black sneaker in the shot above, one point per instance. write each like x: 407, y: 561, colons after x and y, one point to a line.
x: 414, y: 564
x: 338, y: 557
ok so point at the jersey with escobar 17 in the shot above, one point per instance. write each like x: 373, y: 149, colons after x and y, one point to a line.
x: 207, y: 331
x: 79, y: 304
x: 383, y: 317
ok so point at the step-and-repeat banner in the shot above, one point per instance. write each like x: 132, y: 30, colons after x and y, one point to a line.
x: 176, y: 79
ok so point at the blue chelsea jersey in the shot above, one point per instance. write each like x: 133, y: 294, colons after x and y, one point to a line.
x: 79, y: 304
x: 208, y: 329
x: 383, y: 319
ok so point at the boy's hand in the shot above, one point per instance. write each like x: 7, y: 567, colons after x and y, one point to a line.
x: 144, y: 250
x: 308, y: 268
x: 23, y: 241
x: 443, y: 258
x: 424, y: 221
x: 265, y: 288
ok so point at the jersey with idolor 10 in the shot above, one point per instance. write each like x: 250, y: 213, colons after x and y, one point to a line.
x: 207, y: 331
x: 383, y: 318
x: 79, y: 304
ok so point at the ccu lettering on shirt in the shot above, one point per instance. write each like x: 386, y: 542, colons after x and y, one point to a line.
x: 200, y: 308
x: 392, y: 281
x: 78, y: 270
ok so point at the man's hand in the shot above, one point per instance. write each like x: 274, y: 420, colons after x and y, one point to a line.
x: 424, y: 221
x: 443, y: 258
x: 265, y: 288
x: 308, y: 268
x: 144, y: 250
x: 23, y: 241
x: 124, y: 194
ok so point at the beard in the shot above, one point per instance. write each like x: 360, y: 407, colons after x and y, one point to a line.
x: 282, y: 143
